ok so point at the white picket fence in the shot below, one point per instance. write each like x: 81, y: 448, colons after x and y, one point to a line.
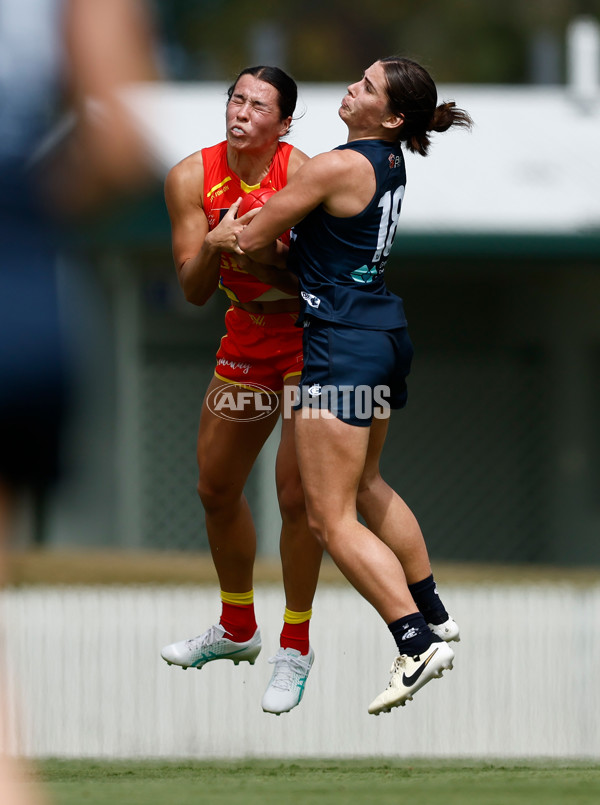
x: 85, y: 678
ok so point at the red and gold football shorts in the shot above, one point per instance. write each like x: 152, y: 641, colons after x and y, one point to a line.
x: 259, y: 349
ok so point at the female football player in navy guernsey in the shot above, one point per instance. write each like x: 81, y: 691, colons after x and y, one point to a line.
x: 357, y: 353
x: 262, y: 348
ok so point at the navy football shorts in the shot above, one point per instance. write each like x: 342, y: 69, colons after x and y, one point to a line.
x: 356, y: 374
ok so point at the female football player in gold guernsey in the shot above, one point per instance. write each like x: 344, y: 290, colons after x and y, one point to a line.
x: 262, y: 348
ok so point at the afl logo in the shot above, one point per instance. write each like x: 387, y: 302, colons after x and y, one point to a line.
x: 394, y: 161
x: 242, y: 403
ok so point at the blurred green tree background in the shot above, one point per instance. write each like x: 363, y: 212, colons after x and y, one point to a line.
x: 460, y: 41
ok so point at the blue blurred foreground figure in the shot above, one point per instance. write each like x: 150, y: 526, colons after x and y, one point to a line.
x: 55, y: 58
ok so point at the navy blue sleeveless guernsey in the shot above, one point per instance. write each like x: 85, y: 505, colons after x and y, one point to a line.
x: 340, y: 262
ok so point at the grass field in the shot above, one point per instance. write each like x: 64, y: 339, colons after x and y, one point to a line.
x: 333, y: 782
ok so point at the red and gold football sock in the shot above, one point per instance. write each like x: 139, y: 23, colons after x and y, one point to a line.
x: 295, y: 630
x: 237, y: 615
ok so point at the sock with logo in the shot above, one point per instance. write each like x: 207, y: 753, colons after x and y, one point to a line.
x: 295, y: 630
x: 425, y: 596
x: 412, y: 635
x: 237, y: 615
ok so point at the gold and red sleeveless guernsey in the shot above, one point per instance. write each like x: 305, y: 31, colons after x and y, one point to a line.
x: 221, y: 189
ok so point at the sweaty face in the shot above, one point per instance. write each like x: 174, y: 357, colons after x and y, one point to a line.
x: 365, y: 106
x: 253, y: 116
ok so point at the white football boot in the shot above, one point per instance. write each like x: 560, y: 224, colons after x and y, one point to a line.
x: 409, y: 674
x: 212, y: 645
x: 286, y: 688
x: 446, y: 631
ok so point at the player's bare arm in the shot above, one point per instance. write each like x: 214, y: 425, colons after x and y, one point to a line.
x: 342, y: 181
x: 198, y: 275
x: 196, y: 248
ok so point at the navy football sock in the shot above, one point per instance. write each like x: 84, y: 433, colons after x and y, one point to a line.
x: 425, y: 596
x: 412, y: 635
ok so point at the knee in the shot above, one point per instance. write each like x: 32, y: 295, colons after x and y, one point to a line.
x: 322, y: 529
x: 216, y: 496
x: 370, y: 484
x: 362, y: 496
x: 291, y: 500
x: 369, y: 480
x: 319, y: 532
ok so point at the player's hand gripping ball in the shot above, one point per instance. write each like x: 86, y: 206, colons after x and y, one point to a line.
x: 256, y: 198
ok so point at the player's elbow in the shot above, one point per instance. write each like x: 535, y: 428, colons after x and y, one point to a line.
x: 198, y: 294
x: 195, y: 293
x: 195, y: 297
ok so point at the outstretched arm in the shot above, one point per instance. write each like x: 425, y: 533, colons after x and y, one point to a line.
x: 343, y: 182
